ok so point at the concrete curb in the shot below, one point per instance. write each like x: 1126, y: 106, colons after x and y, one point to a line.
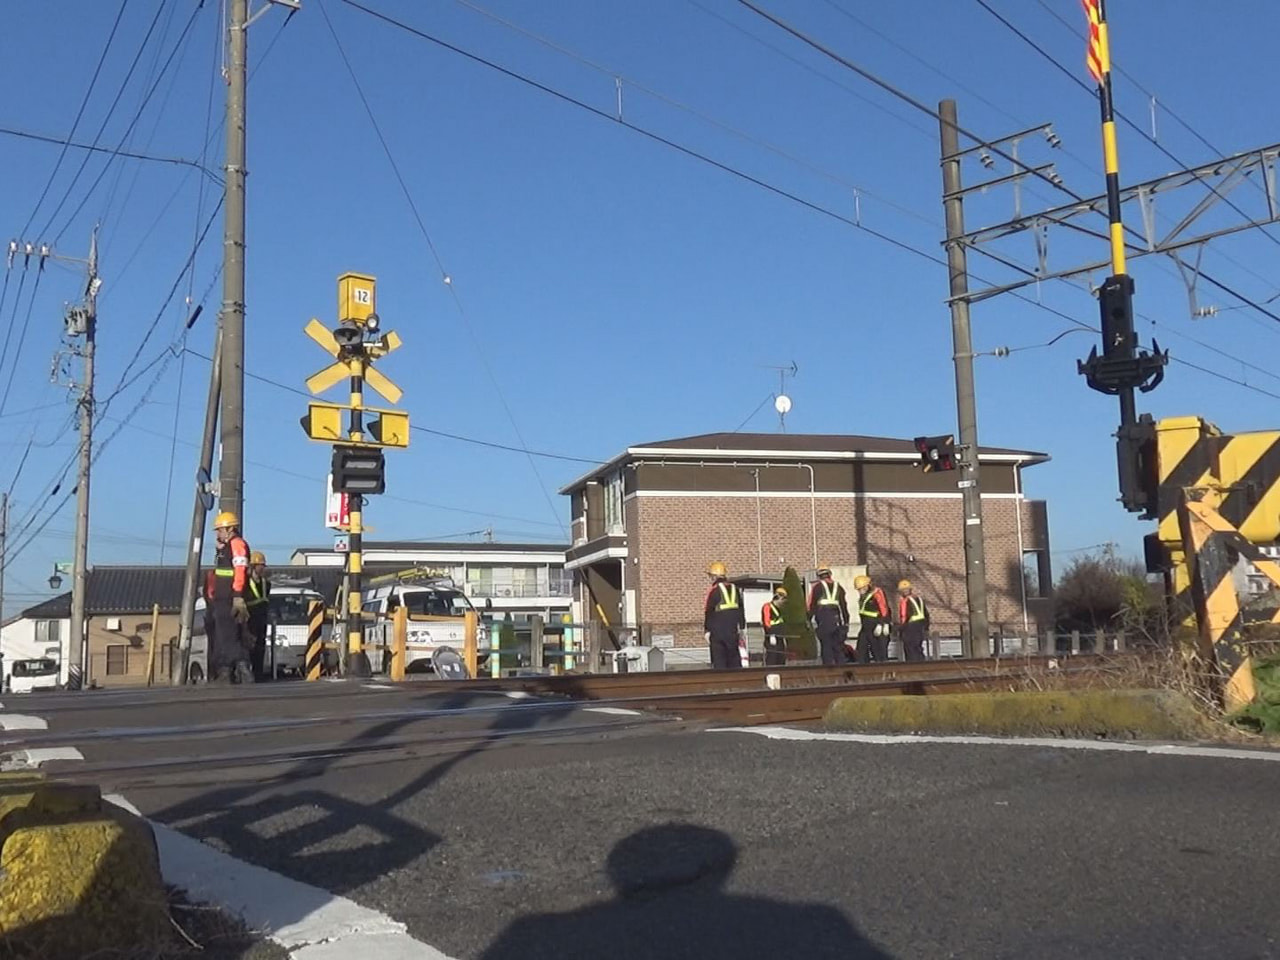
x: 1113, y: 714
x: 77, y: 876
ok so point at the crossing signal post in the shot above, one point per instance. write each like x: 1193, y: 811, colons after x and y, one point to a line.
x: 936, y: 453
x: 358, y: 465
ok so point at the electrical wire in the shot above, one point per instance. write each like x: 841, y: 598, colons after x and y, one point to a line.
x: 1182, y: 167
x: 22, y: 339
x: 132, y: 123
x: 445, y: 277
x: 127, y: 154
x: 752, y: 415
x: 886, y: 238
x: 75, y: 124
x: 115, y: 102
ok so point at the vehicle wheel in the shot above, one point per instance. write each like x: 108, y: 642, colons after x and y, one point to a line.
x: 195, y: 673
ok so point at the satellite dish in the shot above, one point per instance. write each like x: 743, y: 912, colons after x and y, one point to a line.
x: 782, y: 404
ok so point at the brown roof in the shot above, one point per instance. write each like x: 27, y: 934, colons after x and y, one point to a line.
x: 818, y: 442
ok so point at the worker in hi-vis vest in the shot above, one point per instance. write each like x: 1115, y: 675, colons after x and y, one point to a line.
x: 913, y: 622
x: 774, y: 621
x: 829, y: 611
x: 875, y: 624
x: 724, y: 621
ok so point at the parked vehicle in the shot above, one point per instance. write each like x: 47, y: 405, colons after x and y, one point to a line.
x: 436, y: 610
x: 24, y: 676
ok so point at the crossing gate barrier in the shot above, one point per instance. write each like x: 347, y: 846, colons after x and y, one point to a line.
x: 315, y: 640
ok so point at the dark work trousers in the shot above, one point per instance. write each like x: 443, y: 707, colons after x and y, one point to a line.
x: 912, y: 635
x: 775, y: 650
x: 724, y: 652
x: 831, y: 637
x: 228, y: 657
x: 871, y: 647
x: 258, y: 628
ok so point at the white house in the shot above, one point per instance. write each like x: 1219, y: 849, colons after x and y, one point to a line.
x: 40, y: 631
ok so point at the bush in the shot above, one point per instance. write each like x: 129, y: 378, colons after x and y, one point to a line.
x: 800, y: 638
x: 1100, y: 591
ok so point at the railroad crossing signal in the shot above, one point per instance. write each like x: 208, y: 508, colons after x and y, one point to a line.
x: 936, y: 453
x: 388, y: 428
x: 353, y: 363
x: 359, y: 470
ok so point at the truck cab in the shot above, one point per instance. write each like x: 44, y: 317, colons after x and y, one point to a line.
x: 26, y: 676
x: 436, y: 611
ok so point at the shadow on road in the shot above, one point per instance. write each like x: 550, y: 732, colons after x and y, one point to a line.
x: 328, y: 840
x: 671, y: 902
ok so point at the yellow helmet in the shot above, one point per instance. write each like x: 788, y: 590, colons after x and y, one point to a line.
x: 824, y: 569
x: 258, y: 557
x: 779, y: 591
x: 862, y: 581
x: 904, y: 586
x: 717, y: 569
x: 225, y: 519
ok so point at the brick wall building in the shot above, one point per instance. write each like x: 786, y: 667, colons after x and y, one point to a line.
x: 646, y: 524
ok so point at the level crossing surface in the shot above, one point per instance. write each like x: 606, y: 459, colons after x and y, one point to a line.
x: 492, y: 827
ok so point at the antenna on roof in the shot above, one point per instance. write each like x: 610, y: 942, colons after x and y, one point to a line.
x: 782, y: 402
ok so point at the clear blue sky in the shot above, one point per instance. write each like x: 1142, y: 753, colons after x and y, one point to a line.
x: 613, y: 290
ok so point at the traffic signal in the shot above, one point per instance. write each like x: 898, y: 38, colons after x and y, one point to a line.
x: 359, y: 470
x: 936, y: 453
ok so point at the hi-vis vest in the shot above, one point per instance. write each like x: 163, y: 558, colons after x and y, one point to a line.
x: 917, y: 609
x: 255, y: 590
x: 829, y: 596
x: 728, y: 596
x: 869, y: 608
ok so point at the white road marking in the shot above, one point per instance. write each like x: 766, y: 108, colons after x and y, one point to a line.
x: 616, y: 711
x: 384, y: 687
x: 517, y: 695
x: 1113, y: 746
x: 21, y: 721
x: 311, y: 923
x: 38, y: 755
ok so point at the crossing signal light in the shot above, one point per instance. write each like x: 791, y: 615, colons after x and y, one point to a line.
x: 359, y: 470
x: 936, y: 453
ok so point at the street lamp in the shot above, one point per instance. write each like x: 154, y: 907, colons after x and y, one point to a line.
x: 55, y: 580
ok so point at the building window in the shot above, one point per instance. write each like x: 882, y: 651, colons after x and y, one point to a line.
x: 613, y: 519
x: 117, y: 660
x: 1034, y: 575
x: 49, y: 632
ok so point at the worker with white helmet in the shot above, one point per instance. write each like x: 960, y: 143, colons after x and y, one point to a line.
x: 913, y: 621
x: 724, y: 621
x: 228, y: 654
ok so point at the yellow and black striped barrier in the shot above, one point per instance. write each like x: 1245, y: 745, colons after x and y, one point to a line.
x: 1213, y: 545
x: 315, y: 641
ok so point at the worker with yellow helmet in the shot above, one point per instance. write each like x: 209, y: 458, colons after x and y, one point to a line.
x: 773, y: 619
x: 913, y: 621
x: 258, y: 599
x: 829, y: 611
x: 228, y: 654
x: 873, y: 614
x: 724, y: 620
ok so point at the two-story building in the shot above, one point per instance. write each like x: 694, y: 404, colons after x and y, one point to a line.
x: 647, y: 523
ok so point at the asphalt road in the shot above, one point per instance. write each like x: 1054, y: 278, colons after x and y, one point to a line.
x: 497, y: 829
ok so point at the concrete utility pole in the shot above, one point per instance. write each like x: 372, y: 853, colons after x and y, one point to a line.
x: 4, y: 544
x: 975, y: 562
x: 180, y: 663
x: 89, y: 318
x: 231, y: 464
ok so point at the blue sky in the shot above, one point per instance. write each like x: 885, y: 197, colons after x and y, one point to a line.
x: 609, y: 289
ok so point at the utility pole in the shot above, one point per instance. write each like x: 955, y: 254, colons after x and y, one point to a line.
x: 4, y: 545
x: 181, y: 661
x: 975, y: 563
x: 85, y: 321
x: 231, y: 320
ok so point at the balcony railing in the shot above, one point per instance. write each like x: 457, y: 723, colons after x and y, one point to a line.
x: 520, y: 589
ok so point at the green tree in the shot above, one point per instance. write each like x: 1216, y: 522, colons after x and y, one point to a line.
x: 800, y: 638
x: 506, y: 639
x: 1101, y: 591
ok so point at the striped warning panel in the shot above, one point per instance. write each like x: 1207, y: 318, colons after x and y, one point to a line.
x: 1211, y: 545
x: 315, y: 643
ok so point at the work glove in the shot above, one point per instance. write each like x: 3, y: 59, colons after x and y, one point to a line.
x: 706, y: 637
x: 240, y: 610
x: 879, y: 630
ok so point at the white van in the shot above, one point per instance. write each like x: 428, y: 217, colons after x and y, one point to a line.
x: 288, y: 607
x: 436, y: 611
x: 38, y: 673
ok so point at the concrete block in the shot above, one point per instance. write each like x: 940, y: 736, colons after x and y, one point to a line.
x: 78, y: 877
x: 1110, y: 714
